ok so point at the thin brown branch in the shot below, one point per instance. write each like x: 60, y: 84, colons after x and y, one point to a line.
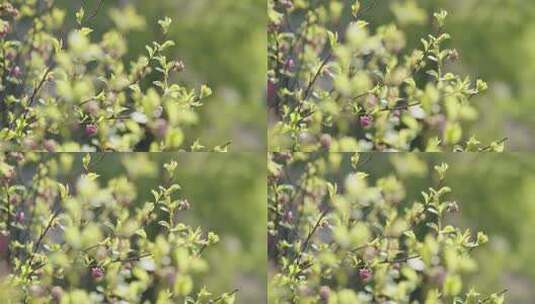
x: 315, y: 77
x: 220, y: 298
x: 306, y: 243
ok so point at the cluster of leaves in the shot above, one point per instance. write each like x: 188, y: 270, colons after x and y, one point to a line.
x: 354, y: 242
x: 60, y: 91
x: 333, y: 84
x: 65, y: 238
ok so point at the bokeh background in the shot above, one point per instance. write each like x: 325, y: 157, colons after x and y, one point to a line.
x: 227, y: 193
x: 496, y: 42
x: 222, y: 44
x: 496, y: 194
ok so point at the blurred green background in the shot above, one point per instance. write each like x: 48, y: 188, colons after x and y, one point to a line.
x: 222, y: 43
x: 227, y: 193
x: 496, y: 42
x: 496, y: 194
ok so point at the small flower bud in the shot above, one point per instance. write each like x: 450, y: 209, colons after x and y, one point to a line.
x: 289, y: 65
x: 287, y: 4
x: 36, y: 290
x: 91, y: 129
x: 325, y: 141
x: 325, y: 293
x: 365, y: 274
x: 177, y: 66
x: 29, y: 143
x: 284, y: 199
x: 56, y: 293
x: 184, y: 205
x: 453, y: 55
x: 453, y: 207
x: 20, y: 216
x: 160, y: 127
x: 15, y: 72
x: 271, y: 91
x: 4, y: 30
x: 289, y: 216
x: 7, y: 174
x: 97, y: 273
x: 372, y: 101
x: 365, y: 121
x: 10, y: 55
x: 92, y: 107
x: 50, y: 145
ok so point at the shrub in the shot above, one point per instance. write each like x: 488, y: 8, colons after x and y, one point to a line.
x: 357, y: 242
x: 333, y: 84
x: 64, y: 91
x: 65, y: 238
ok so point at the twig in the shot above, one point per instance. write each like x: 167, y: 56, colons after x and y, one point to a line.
x: 132, y: 259
x: 36, y: 91
x: 400, y: 260
x: 8, y: 220
x: 96, y: 11
x: 305, y: 245
x: 216, y: 300
x: 315, y: 78
x: 501, y: 293
x: 503, y: 140
x: 42, y: 236
x: 401, y: 107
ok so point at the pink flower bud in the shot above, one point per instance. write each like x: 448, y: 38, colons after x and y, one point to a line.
x: 271, y: 90
x: 4, y: 30
x: 20, y: 216
x: 287, y: 4
x: 56, y: 293
x: 325, y: 293
x: 15, y: 72
x: 365, y: 274
x: 97, y: 273
x: 49, y: 145
x: 365, y: 121
x: 91, y: 129
x: 289, y: 216
x: 325, y: 141
x: 10, y: 55
x: 160, y: 127
x: 289, y: 65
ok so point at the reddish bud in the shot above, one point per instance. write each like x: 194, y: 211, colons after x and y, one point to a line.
x: 160, y: 128
x: 56, y: 293
x: 15, y: 72
x: 365, y: 274
x: 365, y: 121
x: 49, y: 145
x: 289, y: 65
x: 271, y: 90
x: 20, y: 216
x: 10, y: 55
x: 91, y: 129
x: 325, y: 293
x: 97, y: 273
x: 325, y: 141
x: 287, y: 4
x: 289, y: 216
